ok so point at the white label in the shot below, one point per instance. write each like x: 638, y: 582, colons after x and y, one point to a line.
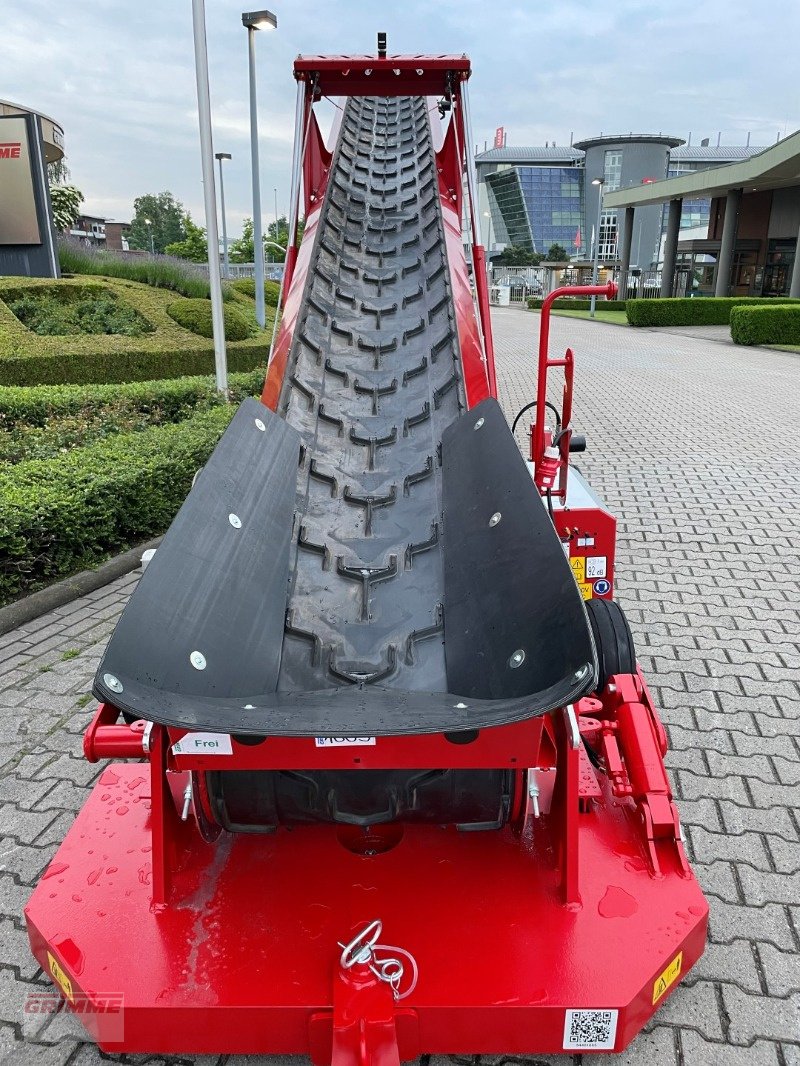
x: 595, y: 566
x: 204, y: 744
x: 344, y: 742
x: 594, y: 1030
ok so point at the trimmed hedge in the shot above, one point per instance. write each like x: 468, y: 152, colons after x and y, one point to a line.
x: 570, y: 303
x: 692, y: 311
x: 766, y: 325
x: 169, y: 352
x: 46, y: 420
x: 58, y: 516
x: 195, y: 315
x: 272, y: 290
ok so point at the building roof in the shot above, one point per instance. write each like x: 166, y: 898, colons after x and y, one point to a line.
x: 629, y: 138
x: 772, y: 168
x: 521, y: 156
x: 702, y: 153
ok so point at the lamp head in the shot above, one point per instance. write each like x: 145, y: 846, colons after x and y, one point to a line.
x: 222, y: 155
x: 259, y: 20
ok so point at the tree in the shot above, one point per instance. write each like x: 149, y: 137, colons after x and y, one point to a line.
x: 166, y: 217
x: 556, y: 253
x: 516, y: 255
x: 241, y: 250
x: 193, y: 247
x: 66, y: 201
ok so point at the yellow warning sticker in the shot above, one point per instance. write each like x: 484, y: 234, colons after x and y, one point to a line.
x: 578, y: 564
x: 667, y: 977
x: 586, y: 589
x: 60, y: 978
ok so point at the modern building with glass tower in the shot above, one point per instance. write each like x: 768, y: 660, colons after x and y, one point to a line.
x: 534, y: 197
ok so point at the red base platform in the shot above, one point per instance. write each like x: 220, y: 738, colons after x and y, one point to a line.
x: 245, y: 959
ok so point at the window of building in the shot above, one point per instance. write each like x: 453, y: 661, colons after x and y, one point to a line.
x: 608, y: 235
x: 612, y: 170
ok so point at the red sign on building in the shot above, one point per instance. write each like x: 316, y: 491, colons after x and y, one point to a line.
x: 500, y: 137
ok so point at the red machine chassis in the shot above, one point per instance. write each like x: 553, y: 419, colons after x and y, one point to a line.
x: 169, y: 936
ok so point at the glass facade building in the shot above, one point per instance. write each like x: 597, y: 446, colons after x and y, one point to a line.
x: 536, y: 207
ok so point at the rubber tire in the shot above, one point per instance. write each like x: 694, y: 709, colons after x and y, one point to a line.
x: 613, y: 639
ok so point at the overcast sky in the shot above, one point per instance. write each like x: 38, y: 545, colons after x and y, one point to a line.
x: 119, y: 77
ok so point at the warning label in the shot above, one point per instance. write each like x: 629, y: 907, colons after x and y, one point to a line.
x: 60, y: 977
x: 586, y: 589
x: 578, y: 564
x: 667, y: 977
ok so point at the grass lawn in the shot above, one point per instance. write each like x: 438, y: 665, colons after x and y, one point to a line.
x: 616, y: 318
x: 783, y: 347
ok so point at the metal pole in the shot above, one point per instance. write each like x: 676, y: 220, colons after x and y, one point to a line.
x: 224, y: 223
x: 258, y: 237
x: 596, y: 266
x: 209, y: 192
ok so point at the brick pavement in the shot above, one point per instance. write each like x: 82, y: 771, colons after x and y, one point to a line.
x: 682, y: 434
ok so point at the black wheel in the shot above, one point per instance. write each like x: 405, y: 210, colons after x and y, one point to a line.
x: 613, y: 640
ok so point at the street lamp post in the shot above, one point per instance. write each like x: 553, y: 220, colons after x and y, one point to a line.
x: 209, y: 193
x: 256, y: 20
x: 149, y: 223
x: 595, y: 268
x: 219, y: 156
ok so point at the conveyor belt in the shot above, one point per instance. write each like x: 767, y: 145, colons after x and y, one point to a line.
x: 371, y: 384
x: 363, y: 589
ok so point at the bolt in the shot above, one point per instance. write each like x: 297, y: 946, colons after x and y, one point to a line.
x: 198, y: 660
x: 260, y: 425
x: 493, y: 521
x: 517, y: 659
x: 112, y: 682
x: 235, y: 521
x: 479, y: 423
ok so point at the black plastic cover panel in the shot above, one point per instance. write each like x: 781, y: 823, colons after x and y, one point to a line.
x: 515, y: 619
x: 207, y: 617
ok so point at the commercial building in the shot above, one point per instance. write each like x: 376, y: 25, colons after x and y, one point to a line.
x: 52, y: 132
x: 538, y: 196
x: 750, y: 247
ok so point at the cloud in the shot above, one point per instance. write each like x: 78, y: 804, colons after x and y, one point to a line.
x: 120, y: 77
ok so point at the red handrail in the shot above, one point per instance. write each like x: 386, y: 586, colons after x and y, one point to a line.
x: 609, y: 291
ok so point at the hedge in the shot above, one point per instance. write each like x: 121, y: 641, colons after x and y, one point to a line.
x: 691, y: 311
x: 570, y: 303
x: 46, y: 420
x: 195, y: 315
x: 766, y: 325
x: 58, y: 516
x: 272, y: 290
x: 170, y: 351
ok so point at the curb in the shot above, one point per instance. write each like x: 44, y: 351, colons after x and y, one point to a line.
x: 71, y: 588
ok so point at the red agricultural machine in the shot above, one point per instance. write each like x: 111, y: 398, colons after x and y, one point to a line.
x: 374, y: 688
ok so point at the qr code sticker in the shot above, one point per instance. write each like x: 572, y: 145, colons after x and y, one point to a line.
x: 594, y: 1030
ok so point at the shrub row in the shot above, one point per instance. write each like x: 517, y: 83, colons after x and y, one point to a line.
x: 58, y: 516
x: 47, y: 420
x: 570, y: 303
x: 81, y: 365
x: 766, y: 325
x: 195, y: 315
x: 691, y: 311
x: 272, y: 290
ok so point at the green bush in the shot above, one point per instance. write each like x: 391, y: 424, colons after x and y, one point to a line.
x: 160, y: 271
x: 272, y: 290
x: 195, y: 315
x: 58, y: 516
x: 766, y: 325
x: 691, y: 311
x: 572, y: 303
x: 65, y: 310
x: 170, y: 351
x: 47, y: 420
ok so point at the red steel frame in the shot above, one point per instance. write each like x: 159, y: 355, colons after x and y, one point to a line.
x: 230, y: 944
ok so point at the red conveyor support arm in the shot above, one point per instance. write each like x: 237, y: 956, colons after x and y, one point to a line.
x: 545, y: 363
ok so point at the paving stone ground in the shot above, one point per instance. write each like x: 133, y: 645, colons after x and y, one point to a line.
x: 693, y: 442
